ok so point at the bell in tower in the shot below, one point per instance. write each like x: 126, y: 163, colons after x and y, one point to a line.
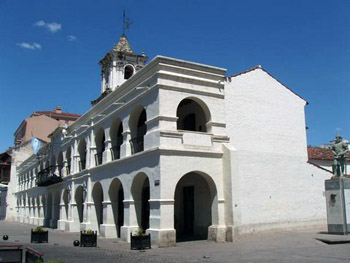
x: 119, y: 64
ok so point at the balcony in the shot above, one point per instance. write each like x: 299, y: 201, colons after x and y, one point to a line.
x: 136, y: 144
x: 98, y: 158
x: 48, y: 177
x: 82, y: 164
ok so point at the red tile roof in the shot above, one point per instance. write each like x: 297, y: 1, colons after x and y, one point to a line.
x: 318, y: 153
x: 56, y: 114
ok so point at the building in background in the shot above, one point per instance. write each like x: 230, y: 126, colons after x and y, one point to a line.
x: 42, y: 123
x: 39, y: 124
x: 178, y: 149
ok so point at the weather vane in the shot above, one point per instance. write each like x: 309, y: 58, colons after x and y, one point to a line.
x: 126, y: 22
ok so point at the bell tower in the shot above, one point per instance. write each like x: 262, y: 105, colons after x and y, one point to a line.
x: 119, y: 64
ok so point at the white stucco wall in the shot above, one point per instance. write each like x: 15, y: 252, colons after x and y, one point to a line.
x: 266, y: 125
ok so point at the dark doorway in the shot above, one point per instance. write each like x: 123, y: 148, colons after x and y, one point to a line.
x: 145, y: 208
x: 120, y: 210
x: 188, y: 205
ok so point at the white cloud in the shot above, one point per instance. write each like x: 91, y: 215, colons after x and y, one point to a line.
x: 52, y: 27
x: 26, y: 45
x: 71, y: 38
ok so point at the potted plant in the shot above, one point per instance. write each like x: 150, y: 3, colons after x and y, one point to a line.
x: 140, y: 240
x: 39, y: 235
x: 88, y: 238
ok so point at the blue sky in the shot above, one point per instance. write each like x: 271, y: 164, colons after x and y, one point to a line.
x: 49, y: 50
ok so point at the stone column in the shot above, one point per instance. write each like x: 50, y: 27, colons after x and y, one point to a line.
x: 75, y: 157
x: 130, y: 220
x: 93, y: 149
x: 125, y: 148
x: 64, y: 165
x: 108, y: 228
x: 86, y: 224
x: 107, y: 155
x: 41, y: 217
x: 217, y: 232
x: 162, y: 222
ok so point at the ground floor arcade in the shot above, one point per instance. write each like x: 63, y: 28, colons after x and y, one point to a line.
x: 184, y: 205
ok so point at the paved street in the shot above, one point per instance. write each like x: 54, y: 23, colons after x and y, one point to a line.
x: 263, y: 247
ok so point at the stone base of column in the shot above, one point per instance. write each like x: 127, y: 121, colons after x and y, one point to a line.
x: 31, y: 220
x: 217, y: 233
x: 162, y: 237
x: 108, y: 230
x: 71, y: 226
x: 61, y: 225
x: 125, y: 232
x: 86, y: 226
x: 36, y: 221
x: 41, y: 221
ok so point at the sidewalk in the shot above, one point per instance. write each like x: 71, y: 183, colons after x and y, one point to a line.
x: 262, y: 247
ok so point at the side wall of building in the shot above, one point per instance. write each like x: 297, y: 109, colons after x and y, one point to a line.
x: 268, y: 157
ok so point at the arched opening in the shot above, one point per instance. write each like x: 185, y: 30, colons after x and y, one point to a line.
x: 69, y: 159
x: 128, y: 71
x: 60, y: 163
x: 100, y: 146
x: 116, y: 195
x: 97, y: 196
x: 192, y: 116
x: 38, y: 207
x: 66, y: 204
x: 194, y: 205
x: 48, y: 214
x: 44, y: 207
x: 56, y: 209
x: 141, y: 194
x: 53, y: 166
x: 79, y: 200
x: 116, y: 134
x: 82, y: 154
x: 138, y: 129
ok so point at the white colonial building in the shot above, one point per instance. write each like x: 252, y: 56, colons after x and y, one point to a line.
x: 180, y: 150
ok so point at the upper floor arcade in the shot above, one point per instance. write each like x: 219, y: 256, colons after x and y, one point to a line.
x: 169, y: 106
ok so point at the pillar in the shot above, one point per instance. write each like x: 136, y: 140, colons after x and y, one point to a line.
x: 108, y: 228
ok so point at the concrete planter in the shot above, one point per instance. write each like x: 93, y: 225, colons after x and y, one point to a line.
x: 39, y: 236
x: 140, y: 242
x: 88, y: 239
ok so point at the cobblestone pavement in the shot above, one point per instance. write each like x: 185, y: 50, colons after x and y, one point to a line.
x: 270, y: 247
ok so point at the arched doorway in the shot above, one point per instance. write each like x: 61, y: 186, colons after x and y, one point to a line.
x: 116, y: 134
x: 138, y: 129
x: 100, y: 146
x: 141, y: 194
x: 193, y: 115
x: 97, y: 196
x: 116, y: 195
x: 48, y: 214
x: 66, y: 204
x: 79, y: 200
x: 194, y: 205
x: 82, y: 154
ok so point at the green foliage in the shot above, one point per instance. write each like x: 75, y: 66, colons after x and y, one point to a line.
x: 39, y: 229
x: 140, y: 232
x: 88, y: 232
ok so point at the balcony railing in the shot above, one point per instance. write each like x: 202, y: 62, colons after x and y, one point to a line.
x: 115, y: 152
x: 136, y: 144
x: 98, y: 158
x: 82, y: 164
x: 68, y: 169
x: 47, y: 176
